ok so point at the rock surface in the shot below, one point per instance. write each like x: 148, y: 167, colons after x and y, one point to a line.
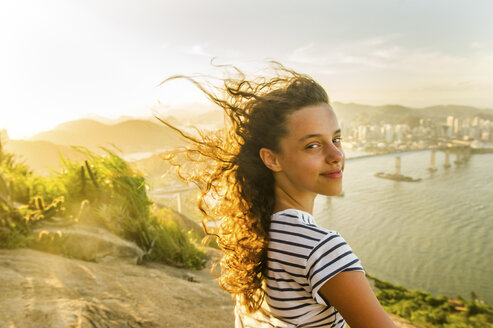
x: 86, y: 243
x: 38, y: 289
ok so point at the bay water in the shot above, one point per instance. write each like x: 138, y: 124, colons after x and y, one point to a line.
x: 435, y: 235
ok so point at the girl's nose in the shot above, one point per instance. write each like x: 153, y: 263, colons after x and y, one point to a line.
x: 334, y: 154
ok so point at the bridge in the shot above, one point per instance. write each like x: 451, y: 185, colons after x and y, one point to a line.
x: 462, y: 150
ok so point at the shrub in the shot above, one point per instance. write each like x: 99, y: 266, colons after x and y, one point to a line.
x: 102, y: 190
x: 118, y: 200
x: 428, y: 311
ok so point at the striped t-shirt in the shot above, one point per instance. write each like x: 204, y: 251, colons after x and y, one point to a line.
x: 301, y: 258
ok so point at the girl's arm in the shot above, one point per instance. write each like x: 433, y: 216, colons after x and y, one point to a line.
x: 350, y: 293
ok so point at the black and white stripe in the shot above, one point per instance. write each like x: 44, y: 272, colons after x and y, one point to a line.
x: 301, y: 258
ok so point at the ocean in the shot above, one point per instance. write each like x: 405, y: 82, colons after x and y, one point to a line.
x: 435, y: 235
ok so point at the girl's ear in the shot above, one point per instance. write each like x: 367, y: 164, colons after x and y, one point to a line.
x: 270, y: 159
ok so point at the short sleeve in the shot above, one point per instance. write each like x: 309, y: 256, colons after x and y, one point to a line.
x: 329, y: 257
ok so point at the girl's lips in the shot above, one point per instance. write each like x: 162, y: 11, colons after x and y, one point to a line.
x: 333, y: 174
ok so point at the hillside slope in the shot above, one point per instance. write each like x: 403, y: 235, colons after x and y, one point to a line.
x: 41, y: 156
x: 129, y: 136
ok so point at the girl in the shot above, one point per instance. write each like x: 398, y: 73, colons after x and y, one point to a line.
x: 259, y: 178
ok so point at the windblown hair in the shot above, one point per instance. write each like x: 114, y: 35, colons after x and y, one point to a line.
x: 237, y: 189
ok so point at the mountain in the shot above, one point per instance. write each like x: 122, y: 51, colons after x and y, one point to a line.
x: 129, y: 136
x: 213, y: 119
x: 453, y: 110
x: 120, y: 119
x: 365, y: 114
x: 196, y: 114
x: 42, y: 151
x: 41, y: 156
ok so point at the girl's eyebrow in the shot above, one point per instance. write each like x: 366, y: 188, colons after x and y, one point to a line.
x: 317, y: 135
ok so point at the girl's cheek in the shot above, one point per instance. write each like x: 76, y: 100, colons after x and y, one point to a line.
x: 311, y: 165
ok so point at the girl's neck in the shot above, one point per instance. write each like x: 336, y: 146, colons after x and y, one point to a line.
x: 286, y: 201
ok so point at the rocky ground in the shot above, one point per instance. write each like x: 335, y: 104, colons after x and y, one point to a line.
x: 43, y: 290
x: 39, y: 289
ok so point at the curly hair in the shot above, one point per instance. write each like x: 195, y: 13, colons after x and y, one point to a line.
x: 237, y: 189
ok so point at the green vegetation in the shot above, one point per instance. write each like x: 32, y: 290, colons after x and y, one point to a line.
x: 103, y: 191
x: 426, y: 310
x: 118, y: 201
x: 19, y: 212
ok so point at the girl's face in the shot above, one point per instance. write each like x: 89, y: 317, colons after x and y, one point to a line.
x: 311, y: 159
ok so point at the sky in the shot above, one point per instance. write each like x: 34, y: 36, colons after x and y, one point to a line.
x: 66, y: 59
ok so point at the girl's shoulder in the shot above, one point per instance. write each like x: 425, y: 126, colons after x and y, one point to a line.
x: 298, y: 220
x: 298, y: 229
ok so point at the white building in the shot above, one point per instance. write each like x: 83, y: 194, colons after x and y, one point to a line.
x: 450, y: 121
x: 389, y: 133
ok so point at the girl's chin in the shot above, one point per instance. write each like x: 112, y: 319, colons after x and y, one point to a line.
x: 332, y: 192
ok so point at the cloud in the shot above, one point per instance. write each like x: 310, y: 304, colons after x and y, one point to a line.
x: 385, y: 70
x: 198, y: 50
x: 208, y: 51
x: 449, y: 86
x: 385, y: 54
x: 476, y: 45
x: 376, y: 52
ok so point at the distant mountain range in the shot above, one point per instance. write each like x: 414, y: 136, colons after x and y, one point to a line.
x: 393, y: 114
x: 127, y: 136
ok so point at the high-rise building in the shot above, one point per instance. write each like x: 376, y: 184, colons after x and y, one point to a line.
x: 362, y: 132
x: 456, y: 130
x: 400, y: 131
x: 475, y: 121
x: 389, y: 133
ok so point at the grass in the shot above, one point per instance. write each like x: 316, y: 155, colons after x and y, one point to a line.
x: 426, y: 310
x: 103, y: 191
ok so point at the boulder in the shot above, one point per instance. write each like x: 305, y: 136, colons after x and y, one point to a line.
x: 86, y: 243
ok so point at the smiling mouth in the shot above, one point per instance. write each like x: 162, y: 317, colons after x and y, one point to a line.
x: 333, y: 174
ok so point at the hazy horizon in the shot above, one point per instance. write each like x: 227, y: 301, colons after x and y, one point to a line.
x: 149, y: 112
x: 181, y: 111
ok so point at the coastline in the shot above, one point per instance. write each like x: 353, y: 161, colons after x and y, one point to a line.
x: 362, y: 156
x: 368, y: 155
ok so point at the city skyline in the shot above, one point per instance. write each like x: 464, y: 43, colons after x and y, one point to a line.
x: 67, y: 59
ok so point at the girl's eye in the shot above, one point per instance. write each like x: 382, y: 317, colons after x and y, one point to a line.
x: 337, y: 140
x: 312, y: 146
